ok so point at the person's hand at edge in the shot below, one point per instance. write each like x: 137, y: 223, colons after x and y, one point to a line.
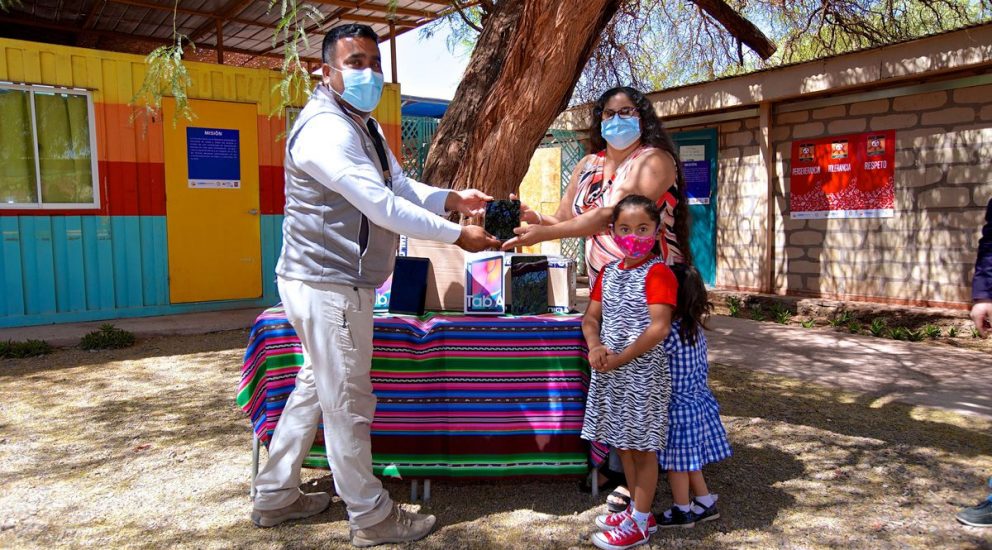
x: 981, y: 314
x: 468, y: 202
x: 476, y: 239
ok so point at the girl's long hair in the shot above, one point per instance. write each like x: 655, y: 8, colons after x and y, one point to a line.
x: 653, y: 134
x: 694, y: 307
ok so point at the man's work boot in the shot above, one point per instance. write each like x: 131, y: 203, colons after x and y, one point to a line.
x: 307, y: 505
x: 399, y: 526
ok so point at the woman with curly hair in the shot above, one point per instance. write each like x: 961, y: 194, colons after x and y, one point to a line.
x: 633, y: 155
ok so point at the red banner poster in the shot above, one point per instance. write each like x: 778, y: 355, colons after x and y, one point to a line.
x: 843, y: 176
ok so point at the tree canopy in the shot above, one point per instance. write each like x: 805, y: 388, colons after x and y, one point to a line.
x: 664, y: 43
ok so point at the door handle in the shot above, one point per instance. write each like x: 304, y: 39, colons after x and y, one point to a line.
x: 253, y: 211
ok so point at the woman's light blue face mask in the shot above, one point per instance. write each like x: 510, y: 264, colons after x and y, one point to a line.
x: 620, y: 132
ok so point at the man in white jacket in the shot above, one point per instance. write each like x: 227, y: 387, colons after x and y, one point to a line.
x: 346, y: 201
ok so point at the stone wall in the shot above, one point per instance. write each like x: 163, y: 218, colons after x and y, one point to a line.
x: 943, y: 177
x: 740, y: 204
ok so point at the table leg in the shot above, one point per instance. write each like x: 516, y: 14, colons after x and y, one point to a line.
x: 594, y: 483
x: 413, y: 490
x: 254, y: 463
x: 427, y: 490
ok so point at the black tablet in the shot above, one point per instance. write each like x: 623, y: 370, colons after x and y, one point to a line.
x: 409, y: 292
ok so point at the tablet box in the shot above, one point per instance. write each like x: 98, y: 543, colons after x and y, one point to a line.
x: 484, y: 284
x: 561, y: 283
x: 446, y: 281
x: 382, y: 295
x: 528, y: 284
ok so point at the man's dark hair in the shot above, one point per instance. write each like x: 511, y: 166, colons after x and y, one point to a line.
x: 351, y: 30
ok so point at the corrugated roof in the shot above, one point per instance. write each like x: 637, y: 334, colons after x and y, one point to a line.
x: 242, y: 28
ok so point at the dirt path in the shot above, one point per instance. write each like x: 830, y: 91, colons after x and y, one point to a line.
x: 146, y: 448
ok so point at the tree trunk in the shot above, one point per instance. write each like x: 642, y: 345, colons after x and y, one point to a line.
x: 520, y: 77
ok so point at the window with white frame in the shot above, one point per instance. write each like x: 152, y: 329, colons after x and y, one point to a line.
x: 47, y: 148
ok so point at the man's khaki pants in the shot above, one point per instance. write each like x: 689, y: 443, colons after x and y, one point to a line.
x: 334, y: 323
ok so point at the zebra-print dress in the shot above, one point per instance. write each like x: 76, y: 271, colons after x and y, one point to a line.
x: 627, y: 408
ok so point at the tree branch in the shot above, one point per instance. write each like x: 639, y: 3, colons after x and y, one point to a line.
x: 465, y: 18
x: 738, y: 26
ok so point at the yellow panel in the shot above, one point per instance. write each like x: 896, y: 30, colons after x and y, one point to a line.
x: 3, y: 64
x: 214, y: 234
x: 48, y: 67
x: 541, y: 190
x: 32, y: 66
x: 389, y: 109
x: 15, y: 65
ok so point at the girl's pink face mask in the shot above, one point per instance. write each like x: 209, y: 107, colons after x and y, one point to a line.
x: 635, y: 246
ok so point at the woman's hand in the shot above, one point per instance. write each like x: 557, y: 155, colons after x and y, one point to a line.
x: 526, y: 213
x: 468, y: 202
x: 527, y: 235
x: 597, y: 358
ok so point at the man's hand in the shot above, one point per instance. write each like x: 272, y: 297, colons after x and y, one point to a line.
x: 527, y: 235
x: 468, y: 202
x: 597, y: 358
x: 526, y: 214
x: 981, y: 314
x: 475, y: 239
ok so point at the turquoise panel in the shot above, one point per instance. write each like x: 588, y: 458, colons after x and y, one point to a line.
x: 271, y: 248
x: 99, y: 259
x: 154, y: 260
x: 11, y: 278
x: 702, y: 231
x: 126, y: 237
x: 38, y: 264
x: 70, y: 269
x: 74, y: 269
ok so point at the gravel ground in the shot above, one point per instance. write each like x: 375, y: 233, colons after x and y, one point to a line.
x: 145, y: 447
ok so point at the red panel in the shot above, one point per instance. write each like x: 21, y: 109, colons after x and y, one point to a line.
x: 123, y: 189
x: 272, y: 192
x: 151, y: 189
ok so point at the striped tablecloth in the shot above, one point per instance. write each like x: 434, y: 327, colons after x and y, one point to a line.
x: 457, y: 396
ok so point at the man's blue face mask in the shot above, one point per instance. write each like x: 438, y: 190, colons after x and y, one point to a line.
x: 620, y: 132
x: 362, y: 88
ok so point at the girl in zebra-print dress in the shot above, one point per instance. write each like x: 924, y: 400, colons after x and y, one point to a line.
x: 628, y: 318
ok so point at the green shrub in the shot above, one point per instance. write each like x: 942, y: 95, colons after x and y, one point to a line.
x: 781, y: 314
x: 932, y: 331
x: 854, y: 327
x: 841, y: 318
x: 809, y: 323
x: 975, y: 333
x: 734, y: 304
x: 952, y: 332
x: 107, y: 337
x: 877, y: 327
x: 757, y: 314
x: 18, y: 350
x: 905, y: 334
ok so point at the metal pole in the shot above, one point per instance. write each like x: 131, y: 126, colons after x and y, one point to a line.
x: 392, y: 50
x: 254, y: 463
x: 220, y: 42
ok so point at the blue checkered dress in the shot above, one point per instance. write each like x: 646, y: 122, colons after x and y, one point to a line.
x: 695, y: 434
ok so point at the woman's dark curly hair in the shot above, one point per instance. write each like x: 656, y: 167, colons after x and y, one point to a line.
x: 653, y: 134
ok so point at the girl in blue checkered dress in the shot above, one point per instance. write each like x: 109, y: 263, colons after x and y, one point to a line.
x: 696, y: 436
